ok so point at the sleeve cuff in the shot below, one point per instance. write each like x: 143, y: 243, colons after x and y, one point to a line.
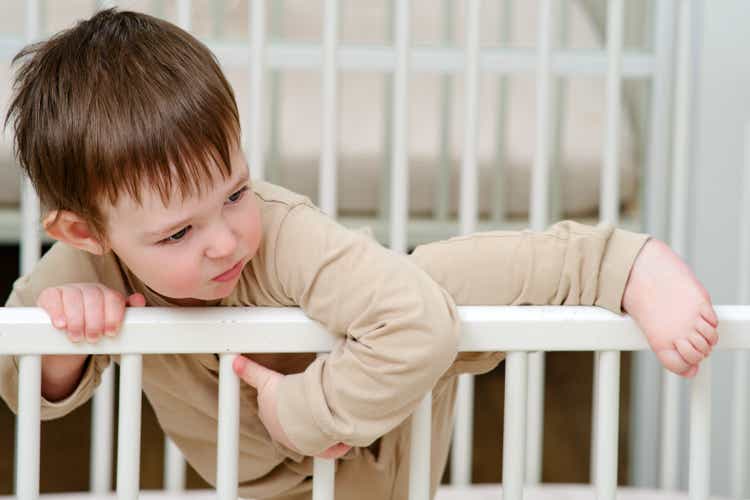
x: 622, y: 249
x: 298, y: 417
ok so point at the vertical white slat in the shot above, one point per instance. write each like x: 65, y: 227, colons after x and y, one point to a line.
x: 670, y: 431
x: 329, y: 130
x: 257, y: 22
x: 129, y: 427
x: 419, y: 451
x: 105, y: 4
x: 501, y: 145
x: 174, y: 467
x: 227, y: 450
x: 700, y: 433
x: 469, y: 204
x: 29, y: 390
x: 102, y: 434
x: 384, y: 182
x: 30, y: 238
x: 644, y: 443
x: 538, y: 219
x: 609, y: 199
x: 273, y: 167
x: 607, y: 424
x: 678, y: 227
x: 324, y: 476
x: 399, y: 211
x: 443, y: 181
x: 738, y: 460
x: 461, y: 459
x: 514, y: 431
x: 27, y: 440
x: 184, y: 19
x: 559, y: 93
x: 741, y: 358
x: 468, y: 214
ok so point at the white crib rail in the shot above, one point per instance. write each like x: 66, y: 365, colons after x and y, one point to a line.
x: 27, y: 333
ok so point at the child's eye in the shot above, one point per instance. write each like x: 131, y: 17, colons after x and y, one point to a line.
x: 177, y: 236
x: 238, y: 195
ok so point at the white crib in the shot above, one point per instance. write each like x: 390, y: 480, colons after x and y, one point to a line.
x: 394, y: 225
x: 288, y: 330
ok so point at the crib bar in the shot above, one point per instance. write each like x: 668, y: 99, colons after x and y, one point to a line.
x: 227, y: 451
x: 700, y: 433
x: 538, y: 219
x: 468, y: 214
x: 514, y: 431
x: 501, y: 157
x: 681, y: 146
x: 469, y: 183
x: 324, y: 479
x: 174, y: 467
x: 739, y: 425
x: 609, y: 205
x: 324, y: 475
x: 30, y: 239
x: 670, y: 430
x: 443, y: 180
x: 102, y: 416
x: 419, y: 451
x: 742, y: 358
x: 329, y: 130
x: 27, y: 438
x: 461, y: 459
x: 399, y: 189
x: 607, y: 424
x: 184, y: 19
x: 129, y: 427
x: 257, y: 66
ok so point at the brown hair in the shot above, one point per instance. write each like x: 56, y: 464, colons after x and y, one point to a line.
x: 120, y: 101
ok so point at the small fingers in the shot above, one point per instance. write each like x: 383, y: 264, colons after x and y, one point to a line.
x: 114, y: 310
x: 72, y: 300
x: 335, y: 451
x: 93, y: 306
x: 51, y: 301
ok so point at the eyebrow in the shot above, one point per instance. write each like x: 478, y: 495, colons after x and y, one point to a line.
x: 184, y: 222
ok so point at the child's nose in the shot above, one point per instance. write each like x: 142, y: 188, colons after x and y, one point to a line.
x: 223, y: 242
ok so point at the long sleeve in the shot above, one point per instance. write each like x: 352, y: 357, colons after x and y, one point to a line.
x: 399, y: 333
x: 60, y: 265
x: 568, y: 264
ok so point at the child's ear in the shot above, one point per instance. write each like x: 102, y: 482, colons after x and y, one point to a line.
x: 70, y: 228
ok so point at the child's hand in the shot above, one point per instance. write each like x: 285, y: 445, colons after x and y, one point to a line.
x: 86, y: 310
x: 266, y: 383
x: 671, y: 307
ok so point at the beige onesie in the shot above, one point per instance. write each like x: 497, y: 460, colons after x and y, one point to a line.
x: 398, y: 327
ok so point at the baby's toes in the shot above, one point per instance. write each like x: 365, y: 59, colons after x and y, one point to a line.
x: 688, y: 352
x: 699, y: 343
x: 707, y: 330
x: 673, y: 361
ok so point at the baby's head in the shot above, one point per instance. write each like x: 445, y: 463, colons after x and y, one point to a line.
x: 129, y: 132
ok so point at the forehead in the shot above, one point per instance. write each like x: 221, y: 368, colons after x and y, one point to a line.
x: 153, y: 207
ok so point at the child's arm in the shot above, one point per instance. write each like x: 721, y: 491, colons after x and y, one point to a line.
x: 61, y: 264
x: 399, y: 331
x: 575, y: 264
x: 86, y: 311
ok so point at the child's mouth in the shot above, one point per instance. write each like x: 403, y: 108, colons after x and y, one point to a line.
x: 230, y: 274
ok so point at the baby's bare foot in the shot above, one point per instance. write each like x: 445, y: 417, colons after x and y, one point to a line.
x: 671, y: 307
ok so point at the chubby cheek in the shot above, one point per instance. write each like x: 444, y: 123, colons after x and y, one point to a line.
x: 175, y: 276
